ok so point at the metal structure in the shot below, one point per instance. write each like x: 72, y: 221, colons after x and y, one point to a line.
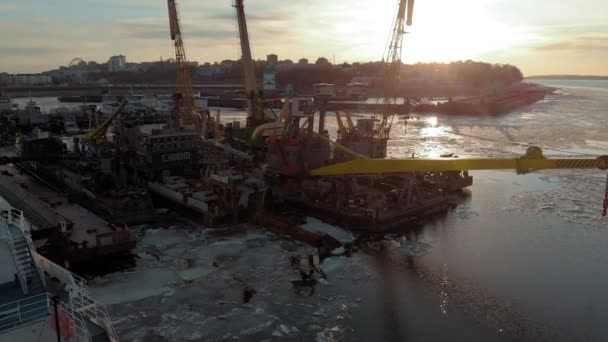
x: 77, y: 61
x: 255, y: 113
x: 186, y: 108
x: 100, y: 131
x: 370, y: 136
x: 533, y: 160
x: 392, y: 59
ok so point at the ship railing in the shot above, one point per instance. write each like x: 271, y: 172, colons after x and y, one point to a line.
x: 77, y: 327
x: 13, y: 216
x: 26, y: 310
x: 8, y: 236
x: 94, y: 311
x: 16, y: 218
x: 40, y: 308
x: 71, y: 280
x: 78, y: 296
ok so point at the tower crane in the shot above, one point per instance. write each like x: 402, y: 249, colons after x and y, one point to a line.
x: 186, y: 107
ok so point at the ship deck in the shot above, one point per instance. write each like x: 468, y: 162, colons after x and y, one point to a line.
x: 45, y: 206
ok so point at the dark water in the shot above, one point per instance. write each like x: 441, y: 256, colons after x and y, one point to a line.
x: 491, y: 274
x: 524, y: 258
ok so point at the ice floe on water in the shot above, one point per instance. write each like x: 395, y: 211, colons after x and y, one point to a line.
x: 189, y: 285
x: 162, y: 238
x: 577, y: 198
x: 125, y: 287
x: 415, y: 248
x: 317, y: 226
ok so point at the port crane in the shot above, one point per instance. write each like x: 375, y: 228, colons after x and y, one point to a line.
x: 392, y: 58
x: 100, y: 131
x: 186, y: 107
x: 255, y: 110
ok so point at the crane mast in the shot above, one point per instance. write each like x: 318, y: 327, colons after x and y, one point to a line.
x: 186, y: 108
x: 392, y: 58
x: 254, y: 115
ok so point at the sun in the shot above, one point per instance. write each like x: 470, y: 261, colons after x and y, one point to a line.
x: 456, y: 30
x: 443, y: 30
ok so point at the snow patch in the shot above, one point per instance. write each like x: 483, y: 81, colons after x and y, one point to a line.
x: 163, y: 238
x: 194, y: 273
x: 131, y: 286
x: 316, y: 226
x: 415, y: 248
x: 332, y: 265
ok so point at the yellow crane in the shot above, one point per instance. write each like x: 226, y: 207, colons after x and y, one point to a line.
x: 533, y: 160
x: 255, y: 108
x: 186, y: 106
x: 100, y: 131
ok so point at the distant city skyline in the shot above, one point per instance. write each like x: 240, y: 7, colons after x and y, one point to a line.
x: 540, y: 37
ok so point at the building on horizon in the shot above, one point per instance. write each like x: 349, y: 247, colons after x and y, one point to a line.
x: 272, y: 59
x: 117, y: 63
x: 27, y: 79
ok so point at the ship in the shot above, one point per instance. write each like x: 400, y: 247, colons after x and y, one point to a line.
x: 349, y: 92
x: 81, y: 98
x: 39, y: 299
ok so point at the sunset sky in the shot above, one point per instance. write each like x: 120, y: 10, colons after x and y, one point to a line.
x: 540, y: 36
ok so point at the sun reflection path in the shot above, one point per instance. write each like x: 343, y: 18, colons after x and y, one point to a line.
x: 424, y: 137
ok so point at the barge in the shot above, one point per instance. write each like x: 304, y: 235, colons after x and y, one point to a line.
x: 67, y: 231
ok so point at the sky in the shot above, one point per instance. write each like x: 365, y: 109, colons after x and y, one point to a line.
x: 539, y: 36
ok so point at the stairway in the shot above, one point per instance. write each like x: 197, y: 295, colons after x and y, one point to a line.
x: 25, y: 263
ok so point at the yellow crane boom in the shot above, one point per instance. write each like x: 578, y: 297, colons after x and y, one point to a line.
x: 531, y: 161
x: 187, y: 107
x: 100, y: 131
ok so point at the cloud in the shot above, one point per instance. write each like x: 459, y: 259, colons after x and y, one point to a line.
x: 17, y: 51
x: 164, y: 34
x: 577, y: 44
x: 6, y: 8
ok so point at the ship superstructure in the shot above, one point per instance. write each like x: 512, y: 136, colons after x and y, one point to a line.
x: 40, y: 300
